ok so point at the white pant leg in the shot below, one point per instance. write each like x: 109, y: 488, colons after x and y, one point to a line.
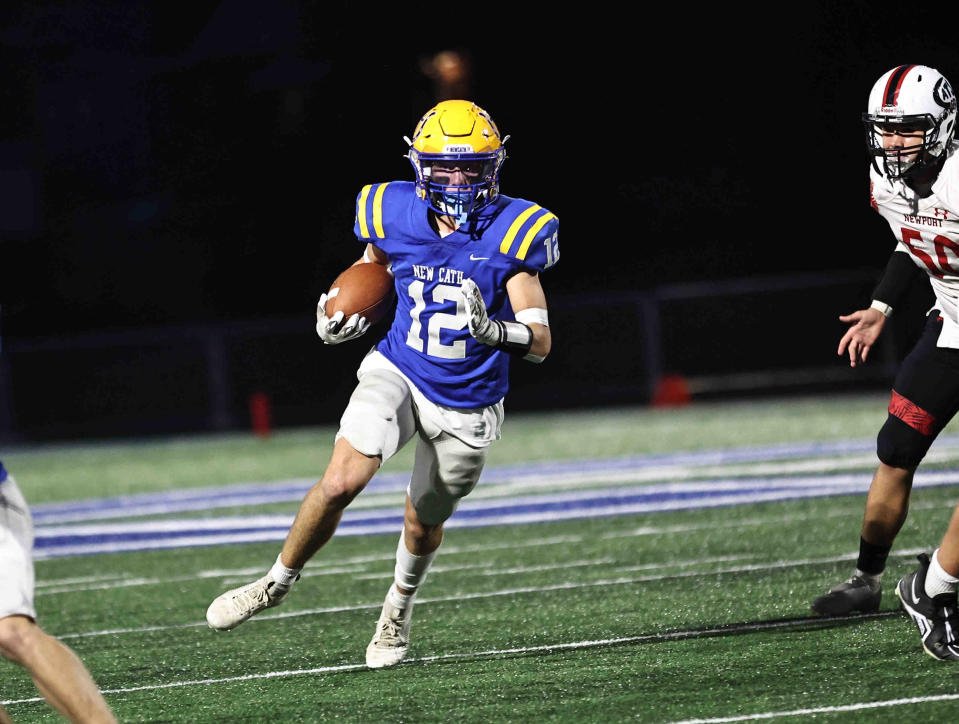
x: 16, y: 553
x: 378, y: 420
x: 445, y: 469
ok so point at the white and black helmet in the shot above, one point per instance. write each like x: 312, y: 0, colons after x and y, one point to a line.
x: 907, y: 99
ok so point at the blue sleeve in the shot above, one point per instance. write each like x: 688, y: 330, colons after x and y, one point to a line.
x: 532, y: 241
x: 541, y: 251
x: 368, y: 223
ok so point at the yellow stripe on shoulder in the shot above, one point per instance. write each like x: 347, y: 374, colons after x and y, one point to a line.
x: 515, y: 227
x: 378, y: 211
x: 531, y: 234
x: 361, y: 211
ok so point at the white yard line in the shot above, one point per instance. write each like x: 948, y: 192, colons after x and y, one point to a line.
x: 65, y: 584
x: 553, y: 567
x: 225, y: 576
x: 695, y: 633
x: 855, y: 510
x: 566, y: 586
x: 861, y: 706
x: 85, y: 580
x: 433, y: 570
x: 684, y: 564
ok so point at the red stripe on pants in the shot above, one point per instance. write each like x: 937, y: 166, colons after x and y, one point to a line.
x: 911, y: 414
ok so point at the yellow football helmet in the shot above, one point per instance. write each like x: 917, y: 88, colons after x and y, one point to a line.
x: 457, y: 136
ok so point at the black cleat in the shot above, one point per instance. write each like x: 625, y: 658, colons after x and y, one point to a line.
x: 936, y: 617
x: 856, y: 594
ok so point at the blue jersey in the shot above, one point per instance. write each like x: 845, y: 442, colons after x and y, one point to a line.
x: 429, y: 339
x: 3, y: 473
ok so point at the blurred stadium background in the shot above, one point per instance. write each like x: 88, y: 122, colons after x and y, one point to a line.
x: 177, y: 187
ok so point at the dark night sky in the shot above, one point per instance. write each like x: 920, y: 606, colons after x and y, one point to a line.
x: 163, y: 165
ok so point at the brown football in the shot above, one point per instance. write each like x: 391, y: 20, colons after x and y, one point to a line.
x: 364, y: 289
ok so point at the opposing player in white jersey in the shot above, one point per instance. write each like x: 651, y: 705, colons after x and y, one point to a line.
x: 914, y: 183
x: 59, y: 675
x: 466, y: 262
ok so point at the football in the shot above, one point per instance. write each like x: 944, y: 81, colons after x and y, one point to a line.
x: 364, y: 289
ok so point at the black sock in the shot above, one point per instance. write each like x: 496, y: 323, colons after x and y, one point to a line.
x: 872, y: 557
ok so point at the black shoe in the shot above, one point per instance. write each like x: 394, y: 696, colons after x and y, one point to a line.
x: 856, y: 594
x: 936, y: 617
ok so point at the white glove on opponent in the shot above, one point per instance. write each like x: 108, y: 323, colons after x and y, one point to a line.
x: 333, y: 330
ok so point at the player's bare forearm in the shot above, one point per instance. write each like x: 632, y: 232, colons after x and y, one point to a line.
x: 542, y: 340
x: 526, y: 293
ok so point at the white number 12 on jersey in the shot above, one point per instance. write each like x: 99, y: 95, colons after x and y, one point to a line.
x: 439, y: 320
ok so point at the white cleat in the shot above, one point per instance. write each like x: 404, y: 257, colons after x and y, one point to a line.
x: 392, y: 637
x: 234, y: 607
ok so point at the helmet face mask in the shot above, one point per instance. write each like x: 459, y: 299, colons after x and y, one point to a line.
x: 910, y: 121
x: 457, y: 141
x: 435, y: 173
x: 918, y: 134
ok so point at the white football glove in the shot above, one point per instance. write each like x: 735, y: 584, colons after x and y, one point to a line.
x: 513, y: 337
x: 479, y: 322
x: 333, y: 330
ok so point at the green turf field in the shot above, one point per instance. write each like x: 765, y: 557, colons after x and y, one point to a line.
x: 661, y: 617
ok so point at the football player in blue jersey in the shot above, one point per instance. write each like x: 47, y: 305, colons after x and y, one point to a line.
x: 59, y: 675
x: 466, y: 262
